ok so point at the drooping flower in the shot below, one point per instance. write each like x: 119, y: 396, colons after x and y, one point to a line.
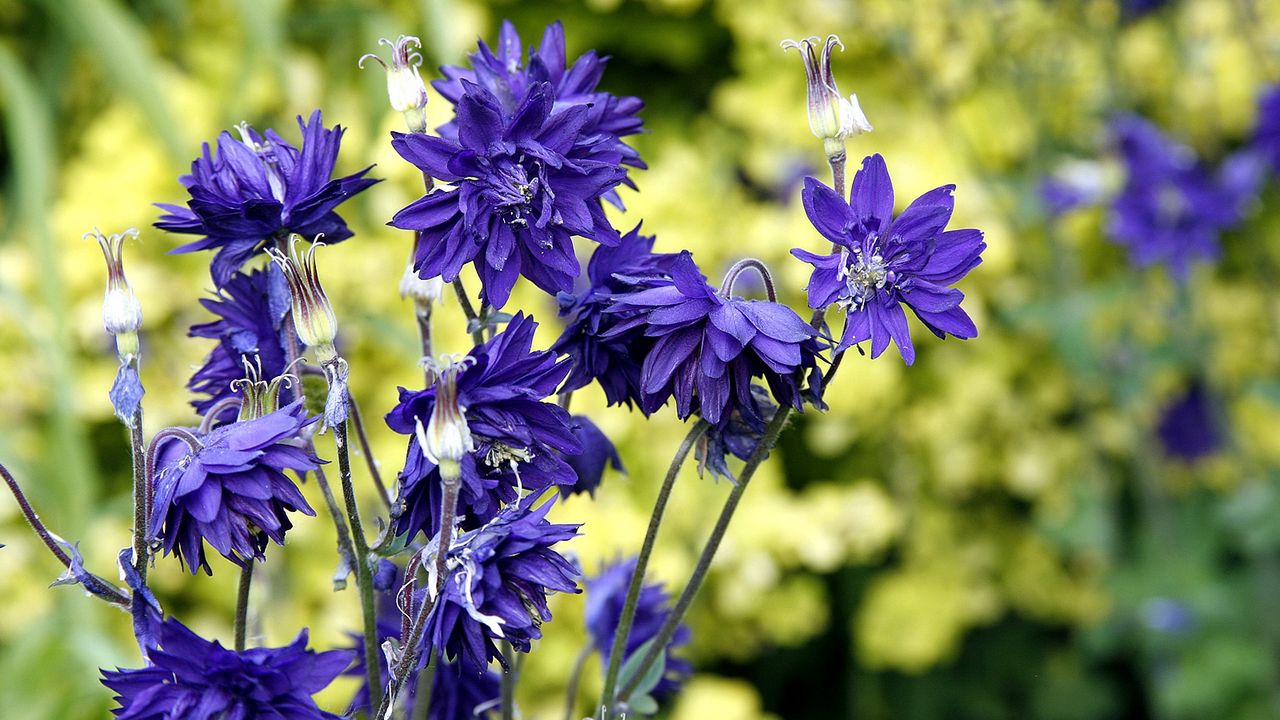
x: 1266, y: 138
x: 515, y: 439
x: 614, y: 362
x: 249, y: 326
x: 737, y: 437
x: 499, y: 577
x: 1188, y: 427
x: 191, y: 678
x: 231, y: 490
x: 522, y: 188
x: 505, y: 74
x: 880, y: 263
x: 1173, y: 207
x: 708, y: 346
x: 257, y: 187
x: 597, y: 453
x: 606, y: 594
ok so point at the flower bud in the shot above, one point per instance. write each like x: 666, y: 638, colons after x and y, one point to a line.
x: 832, y: 118
x: 313, y: 316
x: 259, y: 397
x: 121, y: 311
x: 405, y: 89
x: 447, y: 437
x: 423, y: 292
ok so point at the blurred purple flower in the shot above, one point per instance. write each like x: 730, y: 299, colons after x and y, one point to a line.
x: 1266, y: 137
x: 1188, y: 428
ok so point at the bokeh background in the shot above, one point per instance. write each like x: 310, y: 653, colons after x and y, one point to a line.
x: 996, y: 532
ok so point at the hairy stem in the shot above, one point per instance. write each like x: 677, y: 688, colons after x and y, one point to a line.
x: 242, y: 604
x: 364, y: 576
x: 142, y: 494
x: 672, y: 623
x: 625, y: 621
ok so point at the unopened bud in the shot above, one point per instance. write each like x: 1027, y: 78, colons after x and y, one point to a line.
x: 121, y: 311
x: 259, y: 397
x: 428, y: 291
x: 313, y: 316
x: 832, y: 118
x: 447, y: 437
x: 405, y: 89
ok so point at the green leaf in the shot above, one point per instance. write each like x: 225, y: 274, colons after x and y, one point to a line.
x: 650, y: 679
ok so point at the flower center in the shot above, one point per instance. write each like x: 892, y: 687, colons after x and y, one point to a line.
x: 513, y: 190
x: 267, y: 155
x: 863, y: 275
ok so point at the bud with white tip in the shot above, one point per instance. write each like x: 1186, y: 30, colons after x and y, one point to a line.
x: 405, y: 89
x: 121, y: 311
x: 832, y: 118
x: 447, y: 436
x: 313, y: 315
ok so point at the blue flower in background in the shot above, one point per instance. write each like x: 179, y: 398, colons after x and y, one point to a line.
x: 194, y: 679
x: 1173, y: 207
x: 1188, y: 427
x: 615, y: 361
x: 519, y: 440
x: 231, y: 491
x: 1266, y: 137
x: 250, y: 324
x: 606, y: 594
x: 523, y: 187
x: 708, y: 347
x: 881, y: 263
x: 499, y: 579
x: 257, y: 187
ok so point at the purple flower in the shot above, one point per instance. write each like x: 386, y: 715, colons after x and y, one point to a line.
x: 250, y: 324
x: 708, y: 347
x: 606, y: 594
x: 1266, y: 137
x: 614, y: 362
x: 231, y: 491
x: 499, y: 579
x: 880, y: 263
x: 597, y: 453
x: 255, y: 188
x: 502, y: 73
x: 194, y: 679
x: 1172, y: 207
x: 518, y: 439
x: 737, y: 437
x: 523, y: 187
x: 126, y: 393
x: 1188, y: 427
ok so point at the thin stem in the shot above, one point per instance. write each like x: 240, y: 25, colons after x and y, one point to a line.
x: 448, y: 516
x: 96, y: 585
x: 628, y: 616
x: 422, y: 313
x: 346, y: 548
x: 364, y: 576
x: 509, y: 680
x: 215, y: 410
x: 408, y: 658
x: 575, y: 678
x: 837, y: 173
x: 242, y: 604
x: 672, y: 623
x: 477, y: 335
x: 362, y: 437
x: 426, y: 683
x: 142, y: 494
x: 564, y: 399
x: 731, y: 277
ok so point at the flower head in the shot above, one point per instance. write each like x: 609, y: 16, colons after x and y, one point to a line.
x: 606, y: 594
x: 313, y: 316
x: 597, y: 454
x: 257, y: 187
x: 738, y: 436
x: 1188, y: 427
x: 523, y: 187
x: 499, y: 577
x: 708, y: 346
x: 228, y: 487
x: 832, y: 118
x: 615, y: 361
x: 881, y: 263
x: 1172, y: 207
x: 405, y: 89
x: 190, y: 677
x: 492, y: 408
x: 121, y: 311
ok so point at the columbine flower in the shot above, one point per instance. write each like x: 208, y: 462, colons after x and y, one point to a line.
x: 738, y: 436
x: 597, y: 453
x: 708, y: 346
x: 518, y: 440
x: 121, y: 311
x: 1172, y: 207
x: 499, y: 577
x: 231, y: 490
x: 520, y: 194
x: 313, y: 316
x: 504, y: 74
x: 881, y: 263
x: 249, y: 325
x: 832, y: 118
x: 614, y: 362
x: 606, y: 594
x: 405, y: 89
x: 256, y: 188
x: 1188, y: 428
x: 190, y: 677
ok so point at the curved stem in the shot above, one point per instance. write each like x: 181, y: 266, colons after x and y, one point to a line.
x: 363, y: 438
x: 618, y: 648
x: 672, y: 623
x: 477, y: 335
x: 215, y: 410
x: 731, y: 277
x: 242, y: 604
x: 97, y: 585
x: 575, y: 678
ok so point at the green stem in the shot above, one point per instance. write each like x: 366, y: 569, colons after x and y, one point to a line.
x: 672, y: 623
x: 575, y: 678
x: 242, y: 604
x: 509, y: 680
x: 477, y: 335
x: 363, y: 438
x: 364, y: 577
x: 628, y: 616
x: 141, y: 494
x: 426, y: 682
